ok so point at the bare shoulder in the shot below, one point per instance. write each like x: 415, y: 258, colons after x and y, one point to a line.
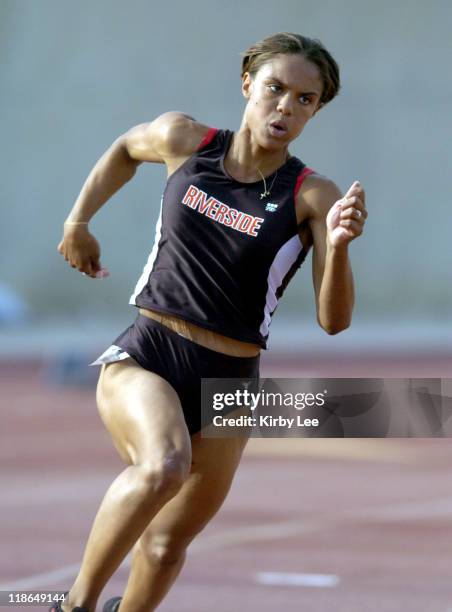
x: 170, y: 136
x: 316, y: 196
x: 178, y: 134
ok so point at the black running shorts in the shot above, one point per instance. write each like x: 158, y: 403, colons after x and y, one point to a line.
x: 179, y: 361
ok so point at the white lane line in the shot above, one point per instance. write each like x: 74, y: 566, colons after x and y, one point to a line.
x: 33, y: 494
x: 46, y: 579
x: 429, y: 509
x: 269, y: 531
x: 216, y: 541
x: 39, y: 580
x: 419, y: 510
x: 298, y: 580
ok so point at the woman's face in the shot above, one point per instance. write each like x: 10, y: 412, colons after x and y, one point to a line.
x: 282, y: 96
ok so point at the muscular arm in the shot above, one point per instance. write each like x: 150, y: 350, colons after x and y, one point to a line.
x: 167, y: 139
x: 170, y: 139
x: 332, y: 273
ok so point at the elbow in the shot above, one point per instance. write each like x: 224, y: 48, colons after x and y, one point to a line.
x: 332, y: 331
x: 334, y: 328
x: 122, y: 150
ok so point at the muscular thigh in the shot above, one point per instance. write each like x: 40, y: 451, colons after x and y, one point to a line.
x: 215, y: 462
x: 141, y: 411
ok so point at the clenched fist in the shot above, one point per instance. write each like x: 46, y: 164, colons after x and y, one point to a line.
x: 82, y: 251
x: 346, y: 218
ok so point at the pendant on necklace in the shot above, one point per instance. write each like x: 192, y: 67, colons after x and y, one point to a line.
x: 266, y: 191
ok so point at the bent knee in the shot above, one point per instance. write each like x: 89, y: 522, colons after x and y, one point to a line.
x: 166, y: 555
x: 165, y: 476
x: 158, y: 551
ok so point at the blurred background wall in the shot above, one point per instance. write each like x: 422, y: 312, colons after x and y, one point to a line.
x: 75, y: 75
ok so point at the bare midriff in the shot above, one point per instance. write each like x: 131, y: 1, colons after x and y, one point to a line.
x: 204, y: 337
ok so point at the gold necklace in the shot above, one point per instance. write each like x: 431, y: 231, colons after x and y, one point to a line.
x: 267, y: 192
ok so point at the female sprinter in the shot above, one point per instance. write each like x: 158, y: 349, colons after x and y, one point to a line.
x: 238, y: 215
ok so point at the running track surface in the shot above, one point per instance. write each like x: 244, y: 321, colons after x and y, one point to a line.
x: 358, y: 525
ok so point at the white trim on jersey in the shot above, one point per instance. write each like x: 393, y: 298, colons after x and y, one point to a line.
x: 113, y: 353
x: 281, y: 265
x: 151, y: 259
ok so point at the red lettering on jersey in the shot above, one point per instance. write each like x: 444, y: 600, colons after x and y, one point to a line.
x: 201, y: 203
x: 204, y: 204
x: 238, y: 219
x: 190, y: 195
x: 230, y: 216
x: 221, y: 212
x: 198, y: 200
x: 244, y: 223
x: 213, y: 207
x: 255, y: 225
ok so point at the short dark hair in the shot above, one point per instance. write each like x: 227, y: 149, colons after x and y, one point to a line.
x: 310, y: 48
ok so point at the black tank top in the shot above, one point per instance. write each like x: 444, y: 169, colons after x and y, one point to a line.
x: 222, y: 255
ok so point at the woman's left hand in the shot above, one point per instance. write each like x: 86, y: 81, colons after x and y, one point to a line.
x: 346, y: 218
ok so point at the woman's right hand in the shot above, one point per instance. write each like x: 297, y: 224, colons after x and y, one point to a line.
x: 82, y: 251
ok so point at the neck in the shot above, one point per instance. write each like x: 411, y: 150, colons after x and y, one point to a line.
x: 245, y: 157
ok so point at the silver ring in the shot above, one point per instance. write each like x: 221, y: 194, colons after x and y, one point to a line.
x: 359, y: 214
